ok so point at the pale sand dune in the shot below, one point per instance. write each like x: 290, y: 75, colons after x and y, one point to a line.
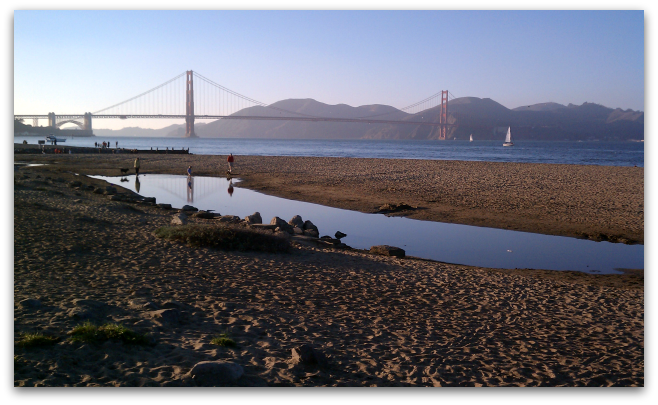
x: 381, y: 321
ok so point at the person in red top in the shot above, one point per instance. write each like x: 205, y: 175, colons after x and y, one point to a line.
x: 230, y: 163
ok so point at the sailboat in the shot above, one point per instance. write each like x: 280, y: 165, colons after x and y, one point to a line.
x: 471, y: 139
x: 508, y: 138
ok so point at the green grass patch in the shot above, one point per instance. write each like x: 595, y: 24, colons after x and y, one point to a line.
x: 90, y: 333
x: 223, y: 340
x: 225, y: 237
x: 28, y: 340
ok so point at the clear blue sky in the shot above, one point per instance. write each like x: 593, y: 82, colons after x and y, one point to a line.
x: 77, y: 61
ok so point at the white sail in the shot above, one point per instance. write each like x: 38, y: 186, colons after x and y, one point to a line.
x: 471, y: 138
x: 508, y: 138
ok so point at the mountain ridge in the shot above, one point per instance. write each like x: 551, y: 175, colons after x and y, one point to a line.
x: 482, y: 117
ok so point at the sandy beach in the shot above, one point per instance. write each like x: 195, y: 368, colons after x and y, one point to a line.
x: 371, y: 320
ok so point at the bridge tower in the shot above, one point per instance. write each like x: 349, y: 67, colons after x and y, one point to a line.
x: 443, y: 116
x: 52, y: 120
x: 87, y: 122
x: 189, y: 107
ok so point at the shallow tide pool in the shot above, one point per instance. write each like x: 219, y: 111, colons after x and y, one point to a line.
x: 451, y: 243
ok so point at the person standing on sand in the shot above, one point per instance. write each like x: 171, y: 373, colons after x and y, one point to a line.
x: 189, y: 170
x: 230, y: 163
x: 137, y: 166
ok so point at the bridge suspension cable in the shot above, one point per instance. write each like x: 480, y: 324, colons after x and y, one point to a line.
x: 213, y: 99
x: 141, y: 95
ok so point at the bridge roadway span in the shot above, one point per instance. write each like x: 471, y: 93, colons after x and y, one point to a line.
x: 238, y: 117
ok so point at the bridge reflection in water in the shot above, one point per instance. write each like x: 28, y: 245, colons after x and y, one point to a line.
x: 452, y: 243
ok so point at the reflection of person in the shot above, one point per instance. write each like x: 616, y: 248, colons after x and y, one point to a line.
x: 230, y: 187
x: 230, y: 163
x: 137, y: 166
x: 190, y: 189
x: 137, y: 184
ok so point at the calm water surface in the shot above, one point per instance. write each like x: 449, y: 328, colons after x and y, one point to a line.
x: 582, y: 153
x: 461, y: 244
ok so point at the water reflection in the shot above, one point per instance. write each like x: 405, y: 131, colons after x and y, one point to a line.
x: 452, y: 243
x: 190, y: 188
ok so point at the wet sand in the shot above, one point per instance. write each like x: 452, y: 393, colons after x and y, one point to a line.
x: 380, y: 321
x: 595, y: 202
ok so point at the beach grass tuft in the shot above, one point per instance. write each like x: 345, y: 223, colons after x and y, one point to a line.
x: 225, y: 237
x: 223, y: 340
x: 28, y: 340
x: 90, y: 333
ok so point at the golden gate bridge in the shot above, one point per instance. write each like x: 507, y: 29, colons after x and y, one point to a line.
x: 178, y: 98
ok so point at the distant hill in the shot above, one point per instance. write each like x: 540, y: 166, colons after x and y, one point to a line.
x: 484, y: 118
x: 300, y: 129
x: 168, y: 131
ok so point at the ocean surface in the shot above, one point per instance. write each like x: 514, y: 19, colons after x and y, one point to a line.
x: 580, y: 153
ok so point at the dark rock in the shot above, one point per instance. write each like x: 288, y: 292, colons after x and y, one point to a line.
x: 164, y: 206
x: 280, y: 223
x: 149, y: 200
x: 98, y: 190
x: 387, y: 250
x: 110, y: 190
x: 189, y: 208
x: 339, y: 235
x: 216, y: 373
x: 297, y: 230
x: 297, y: 221
x: 307, y: 355
x: 229, y: 219
x: 254, y: 218
x: 204, y: 215
x: 310, y: 229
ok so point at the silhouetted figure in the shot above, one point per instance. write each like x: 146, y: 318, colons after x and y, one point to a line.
x: 137, y: 183
x: 230, y: 163
x: 137, y: 164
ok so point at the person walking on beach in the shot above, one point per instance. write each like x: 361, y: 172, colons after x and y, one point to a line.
x: 230, y: 163
x: 189, y: 170
x: 137, y: 166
